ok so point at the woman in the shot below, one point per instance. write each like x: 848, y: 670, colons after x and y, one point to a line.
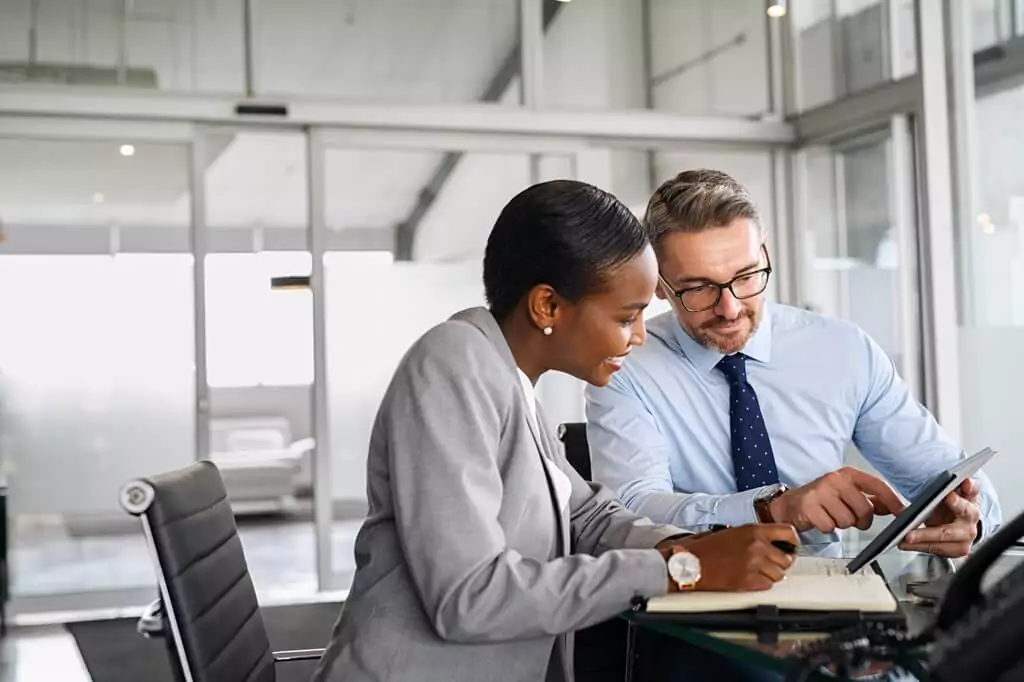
x: 482, y: 547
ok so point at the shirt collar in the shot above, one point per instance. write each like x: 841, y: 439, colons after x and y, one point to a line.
x: 758, y: 348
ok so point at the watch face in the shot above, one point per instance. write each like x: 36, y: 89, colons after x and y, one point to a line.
x: 684, y: 568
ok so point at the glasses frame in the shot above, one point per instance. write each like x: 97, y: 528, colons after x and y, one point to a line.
x: 678, y: 293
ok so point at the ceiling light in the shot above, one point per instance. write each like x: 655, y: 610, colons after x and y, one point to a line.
x: 98, y: 198
x: 564, y: 0
x: 127, y: 150
x: 777, y: 10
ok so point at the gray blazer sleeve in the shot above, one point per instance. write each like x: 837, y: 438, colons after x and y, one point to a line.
x: 442, y: 420
x: 601, y: 523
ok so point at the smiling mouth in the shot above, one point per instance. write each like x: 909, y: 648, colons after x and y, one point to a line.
x: 617, y: 360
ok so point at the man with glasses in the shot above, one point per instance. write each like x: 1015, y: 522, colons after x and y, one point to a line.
x: 737, y: 411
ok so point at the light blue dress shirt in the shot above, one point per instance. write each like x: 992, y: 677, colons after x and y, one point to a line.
x: 659, y: 432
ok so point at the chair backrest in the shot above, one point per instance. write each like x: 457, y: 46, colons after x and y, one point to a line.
x: 574, y: 436
x: 209, y: 600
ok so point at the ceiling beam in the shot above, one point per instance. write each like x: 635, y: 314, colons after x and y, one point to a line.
x: 405, y: 231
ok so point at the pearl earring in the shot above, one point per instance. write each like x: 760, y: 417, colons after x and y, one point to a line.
x: 548, y: 331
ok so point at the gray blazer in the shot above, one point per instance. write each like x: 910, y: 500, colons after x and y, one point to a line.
x: 464, y: 567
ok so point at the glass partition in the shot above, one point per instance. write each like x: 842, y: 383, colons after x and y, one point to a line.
x: 847, y: 46
x: 182, y: 45
x: 97, y: 382
x: 377, y: 303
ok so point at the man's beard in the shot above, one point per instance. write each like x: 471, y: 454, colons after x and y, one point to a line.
x: 705, y: 335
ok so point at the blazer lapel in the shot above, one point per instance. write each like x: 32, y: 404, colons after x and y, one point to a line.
x: 482, y: 319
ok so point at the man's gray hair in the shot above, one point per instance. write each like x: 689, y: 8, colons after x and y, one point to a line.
x: 697, y: 200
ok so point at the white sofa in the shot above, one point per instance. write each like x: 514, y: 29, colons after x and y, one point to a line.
x: 263, y: 469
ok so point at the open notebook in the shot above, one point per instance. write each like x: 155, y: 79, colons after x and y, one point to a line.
x: 812, y: 584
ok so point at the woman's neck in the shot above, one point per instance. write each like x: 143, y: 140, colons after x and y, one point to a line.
x: 523, y: 340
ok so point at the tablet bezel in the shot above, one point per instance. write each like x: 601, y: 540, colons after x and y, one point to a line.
x: 918, y: 510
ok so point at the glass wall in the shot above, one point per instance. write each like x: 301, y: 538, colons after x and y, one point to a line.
x: 377, y: 306
x: 857, y: 248
x: 259, y: 346
x: 685, y: 56
x: 991, y: 266
x: 97, y: 381
x: 843, y: 47
x: 194, y: 45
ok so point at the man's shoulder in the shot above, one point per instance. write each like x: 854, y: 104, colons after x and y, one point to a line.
x: 790, y: 319
x: 661, y: 342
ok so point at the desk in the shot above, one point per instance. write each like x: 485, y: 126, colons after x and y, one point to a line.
x: 900, y: 570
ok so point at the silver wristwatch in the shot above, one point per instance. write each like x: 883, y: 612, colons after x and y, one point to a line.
x: 684, y: 570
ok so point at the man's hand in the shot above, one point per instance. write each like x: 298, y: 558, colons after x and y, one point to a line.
x: 741, y: 558
x: 840, y: 499
x: 950, y: 530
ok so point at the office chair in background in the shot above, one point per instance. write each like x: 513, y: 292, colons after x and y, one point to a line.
x: 207, y: 612
x: 574, y: 437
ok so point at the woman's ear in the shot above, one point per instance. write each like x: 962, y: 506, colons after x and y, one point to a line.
x: 542, y: 306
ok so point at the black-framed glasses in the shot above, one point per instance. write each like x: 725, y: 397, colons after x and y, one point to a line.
x: 706, y: 296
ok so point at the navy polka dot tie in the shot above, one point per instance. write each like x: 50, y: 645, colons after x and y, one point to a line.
x: 752, y: 457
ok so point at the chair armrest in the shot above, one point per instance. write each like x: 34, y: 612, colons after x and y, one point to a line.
x: 301, y: 447
x: 298, y: 655
x: 152, y: 623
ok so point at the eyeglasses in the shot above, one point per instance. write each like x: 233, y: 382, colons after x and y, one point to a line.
x: 706, y: 296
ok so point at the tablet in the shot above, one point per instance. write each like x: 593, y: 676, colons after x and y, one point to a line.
x: 915, y: 514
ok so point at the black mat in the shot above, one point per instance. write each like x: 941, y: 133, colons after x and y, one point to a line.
x: 114, y: 652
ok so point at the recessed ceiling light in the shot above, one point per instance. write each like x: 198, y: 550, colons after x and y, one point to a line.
x: 127, y: 150
x: 777, y: 10
x: 98, y: 198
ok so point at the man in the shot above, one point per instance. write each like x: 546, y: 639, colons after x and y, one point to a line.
x: 737, y: 411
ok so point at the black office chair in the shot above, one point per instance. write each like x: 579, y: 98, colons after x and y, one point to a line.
x: 574, y: 436
x: 207, y: 611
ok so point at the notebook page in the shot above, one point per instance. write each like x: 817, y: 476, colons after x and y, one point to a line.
x: 804, y: 592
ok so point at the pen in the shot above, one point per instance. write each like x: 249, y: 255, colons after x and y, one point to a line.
x: 787, y: 547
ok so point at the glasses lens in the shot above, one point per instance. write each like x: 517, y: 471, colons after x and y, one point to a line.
x: 700, y: 298
x: 751, y: 285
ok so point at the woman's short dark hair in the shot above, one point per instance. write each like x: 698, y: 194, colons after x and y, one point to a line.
x: 563, y: 233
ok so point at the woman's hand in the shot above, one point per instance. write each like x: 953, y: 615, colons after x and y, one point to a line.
x: 740, y: 558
